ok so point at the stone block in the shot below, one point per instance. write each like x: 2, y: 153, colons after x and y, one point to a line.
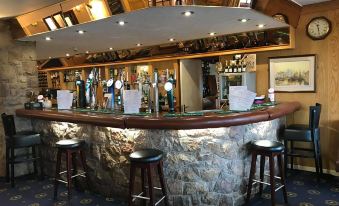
x: 182, y: 200
x: 195, y: 188
x: 210, y: 198
x: 175, y: 187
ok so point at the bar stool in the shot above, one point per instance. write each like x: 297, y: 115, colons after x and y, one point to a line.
x: 270, y: 149
x: 147, y: 160
x: 16, y: 140
x: 71, y: 148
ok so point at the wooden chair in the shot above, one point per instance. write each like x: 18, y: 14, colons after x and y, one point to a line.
x: 305, y: 133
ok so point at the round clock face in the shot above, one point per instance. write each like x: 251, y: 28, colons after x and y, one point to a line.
x: 281, y: 17
x: 319, y: 28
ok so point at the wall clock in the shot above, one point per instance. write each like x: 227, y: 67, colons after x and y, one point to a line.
x: 319, y: 28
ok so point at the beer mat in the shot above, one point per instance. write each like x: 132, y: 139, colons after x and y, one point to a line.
x: 264, y: 105
x: 188, y: 114
x: 103, y: 111
x: 230, y: 112
x: 138, y: 114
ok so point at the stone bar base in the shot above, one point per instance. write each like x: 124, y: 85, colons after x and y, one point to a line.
x: 202, y: 166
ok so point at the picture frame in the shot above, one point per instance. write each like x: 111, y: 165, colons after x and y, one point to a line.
x: 293, y: 73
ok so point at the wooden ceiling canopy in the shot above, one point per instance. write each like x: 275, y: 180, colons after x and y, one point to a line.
x: 70, y: 12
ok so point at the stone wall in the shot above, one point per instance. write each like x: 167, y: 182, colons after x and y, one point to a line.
x: 202, y: 167
x: 18, y: 75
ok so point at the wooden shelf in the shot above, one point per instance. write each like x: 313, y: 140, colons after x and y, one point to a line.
x: 177, y: 56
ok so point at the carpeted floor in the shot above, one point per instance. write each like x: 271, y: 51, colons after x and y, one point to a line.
x: 304, y: 190
x: 302, y: 187
x: 40, y: 193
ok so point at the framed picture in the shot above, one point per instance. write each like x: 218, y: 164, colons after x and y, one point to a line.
x: 292, y: 73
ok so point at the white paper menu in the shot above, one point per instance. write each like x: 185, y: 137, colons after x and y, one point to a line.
x: 240, y: 98
x: 132, y: 101
x: 64, y: 99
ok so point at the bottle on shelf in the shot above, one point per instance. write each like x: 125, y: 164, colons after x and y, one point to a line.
x: 244, y: 68
x: 239, y: 67
x: 231, y: 67
x: 226, y: 67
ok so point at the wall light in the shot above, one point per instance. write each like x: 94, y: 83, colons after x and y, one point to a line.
x: 50, y: 23
x: 98, y: 9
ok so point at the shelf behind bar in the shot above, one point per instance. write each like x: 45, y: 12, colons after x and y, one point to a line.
x: 176, y: 57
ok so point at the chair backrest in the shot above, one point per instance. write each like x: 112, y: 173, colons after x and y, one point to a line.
x: 314, y: 117
x: 9, y: 125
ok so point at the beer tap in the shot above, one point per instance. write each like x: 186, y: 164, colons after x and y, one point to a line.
x: 169, y: 88
x: 156, y: 91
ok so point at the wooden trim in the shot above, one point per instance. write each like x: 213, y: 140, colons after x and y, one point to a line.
x: 177, y: 57
x: 320, y: 7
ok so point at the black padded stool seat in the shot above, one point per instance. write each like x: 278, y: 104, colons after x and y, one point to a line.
x: 300, y: 133
x: 69, y: 143
x: 270, y: 149
x: 146, y: 156
x: 26, y: 139
x: 267, y: 145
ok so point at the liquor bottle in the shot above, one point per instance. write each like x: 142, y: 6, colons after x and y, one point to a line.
x: 239, y: 67
x: 244, y: 68
x: 226, y: 67
x: 231, y: 67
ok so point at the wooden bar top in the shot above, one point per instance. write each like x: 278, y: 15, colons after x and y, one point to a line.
x: 160, y: 121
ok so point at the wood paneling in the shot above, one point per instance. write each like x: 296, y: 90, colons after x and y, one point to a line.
x: 327, y: 77
x: 287, y: 7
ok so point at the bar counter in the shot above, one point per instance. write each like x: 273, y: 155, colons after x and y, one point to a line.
x: 207, y: 120
x: 206, y: 157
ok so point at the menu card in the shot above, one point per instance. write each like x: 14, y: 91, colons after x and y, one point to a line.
x: 64, y: 99
x: 132, y: 101
x: 240, y: 98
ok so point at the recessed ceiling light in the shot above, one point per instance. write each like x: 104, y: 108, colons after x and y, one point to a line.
x: 171, y: 39
x: 212, y: 33
x: 138, y: 44
x: 121, y: 23
x: 49, y: 57
x: 261, y: 25
x: 87, y: 52
x: 187, y: 13
x: 78, y: 7
x: 81, y: 31
x: 47, y: 38
x: 243, y: 20
x: 67, y: 54
x: 110, y: 48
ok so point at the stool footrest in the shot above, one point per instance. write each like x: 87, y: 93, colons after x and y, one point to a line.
x: 281, y: 186
x: 266, y: 183
x: 76, y: 175
x: 139, y: 196
x: 163, y: 197
x: 274, y: 176
x: 157, y: 188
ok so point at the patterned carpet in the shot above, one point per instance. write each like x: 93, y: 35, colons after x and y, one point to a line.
x: 302, y: 187
x: 40, y: 193
x: 304, y: 190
